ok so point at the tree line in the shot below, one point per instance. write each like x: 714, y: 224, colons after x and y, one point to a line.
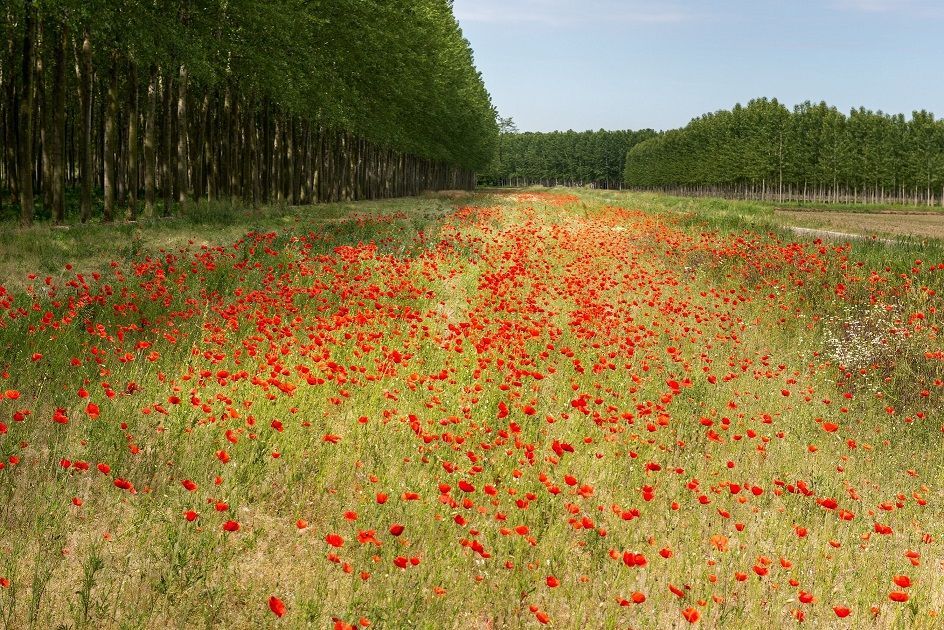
x: 144, y: 104
x: 561, y: 158
x: 811, y: 153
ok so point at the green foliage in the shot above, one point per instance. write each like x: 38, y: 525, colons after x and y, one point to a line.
x: 562, y: 157
x: 400, y: 75
x: 815, y: 145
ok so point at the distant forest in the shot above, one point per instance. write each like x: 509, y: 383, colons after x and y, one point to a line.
x: 112, y: 107
x: 562, y: 158
x: 812, y: 153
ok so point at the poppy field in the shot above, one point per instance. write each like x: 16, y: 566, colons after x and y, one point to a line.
x: 529, y: 409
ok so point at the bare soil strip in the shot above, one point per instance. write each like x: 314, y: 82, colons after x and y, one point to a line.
x: 846, y: 224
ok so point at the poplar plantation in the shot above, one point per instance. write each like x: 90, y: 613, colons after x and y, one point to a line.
x: 813, y: 153
x: 118, y: 107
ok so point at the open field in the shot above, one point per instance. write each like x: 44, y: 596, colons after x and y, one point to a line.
x: 921, y: 226
x: 506, y: 410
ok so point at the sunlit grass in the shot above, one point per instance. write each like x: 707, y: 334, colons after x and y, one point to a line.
x: 597, y: 410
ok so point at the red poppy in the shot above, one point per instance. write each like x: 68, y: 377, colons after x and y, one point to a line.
x: 277, y: 606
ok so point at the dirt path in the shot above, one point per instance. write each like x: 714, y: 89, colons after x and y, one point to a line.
x: 834, y: 235
x: 831, y: 224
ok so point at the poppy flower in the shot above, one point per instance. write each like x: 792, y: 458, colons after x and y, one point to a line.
x: 691, y: 614
x: 277, y: 606
x: 902, y: 581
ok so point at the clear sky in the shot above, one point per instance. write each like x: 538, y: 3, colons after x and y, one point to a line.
x: 630, y: 64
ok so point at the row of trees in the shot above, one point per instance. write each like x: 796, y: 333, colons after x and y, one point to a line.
x: 812, y: 153
x: 156, y: 102
x: 565, y: 158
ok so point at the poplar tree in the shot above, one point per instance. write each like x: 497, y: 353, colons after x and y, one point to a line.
x: 248, y: 100
x: 812, y: 153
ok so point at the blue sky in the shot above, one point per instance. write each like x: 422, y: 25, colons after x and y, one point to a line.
x: 629, y: 64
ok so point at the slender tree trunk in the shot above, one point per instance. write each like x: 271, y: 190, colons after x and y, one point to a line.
x: 245, y: 151
x: 224, y: 150
x: 41, y: 106
x: 267, y: 151
x: 277, y: 161
x: 211, y: 150
x: 309, y: 165
x: 10, y: 110
x: 254, y: 158
x: 110, y: 152
x: 183, y: 165
x: 231, y: 146
x: 85, y: 137
x: 205, y: 148
x: 26, y: 118
x: 150, y: 144
x: 132, y: 147
x: 194, y: 149
x: 57, y: 181
x: 290, y: 161
x: 168, y: 170
x: 121, y: 155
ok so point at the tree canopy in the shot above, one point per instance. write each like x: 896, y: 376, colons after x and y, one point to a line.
x: 349, y: 85
x: 562, y: 157
x: 812, y: 151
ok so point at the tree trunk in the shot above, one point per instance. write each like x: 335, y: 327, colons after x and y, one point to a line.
x: 183, y: 166
x: 132, y: 147
x: 290, y: 161
x: 26, y: 119
x: 206, y: 148
x: 85, y: 137
x: 150, y: 144
x: 232, y: 149
x: 168, y: 170
x: 41, y: 175
x: 224, y: 149
x: 110, y: 152
x: 11, y: 111
x: 57, y: 181
x: 195, y: 151
x: 267, y: 151
x: 277, y: 162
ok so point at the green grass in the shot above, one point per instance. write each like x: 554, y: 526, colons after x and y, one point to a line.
x: 476, y: 301
x: 856, y: 207
x: 46, y: 249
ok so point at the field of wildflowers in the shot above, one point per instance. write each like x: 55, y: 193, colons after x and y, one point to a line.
x: 532, y: 408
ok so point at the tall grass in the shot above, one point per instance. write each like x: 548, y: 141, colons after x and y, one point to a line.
x: 583, y: 363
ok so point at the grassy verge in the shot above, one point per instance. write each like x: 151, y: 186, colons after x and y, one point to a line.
x: 46, y: 249
x: 570, y: 408
x: 865, y: 208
